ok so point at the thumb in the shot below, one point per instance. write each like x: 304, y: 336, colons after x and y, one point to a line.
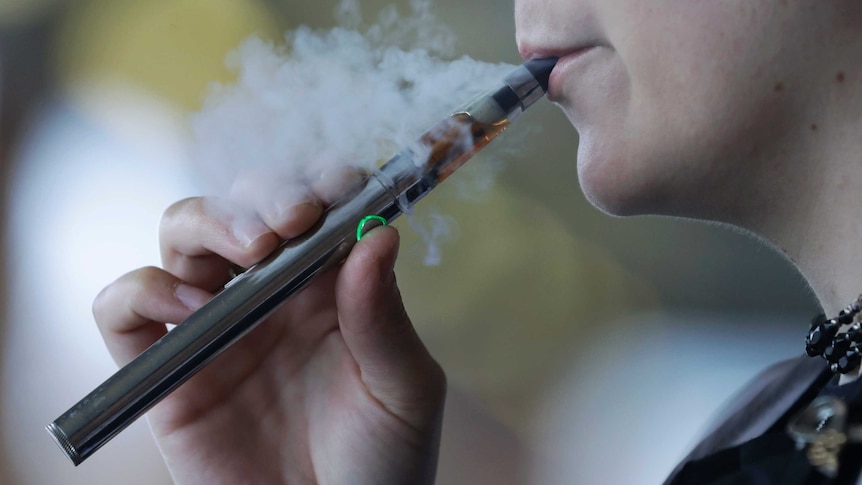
x: 394, y: 363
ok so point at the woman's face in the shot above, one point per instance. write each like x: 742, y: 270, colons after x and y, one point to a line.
x: 681, y: 104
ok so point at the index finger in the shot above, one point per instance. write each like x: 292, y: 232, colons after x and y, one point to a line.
x: 201, y: 238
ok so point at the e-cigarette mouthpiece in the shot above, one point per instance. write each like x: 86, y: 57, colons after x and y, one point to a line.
x: 254, y: 294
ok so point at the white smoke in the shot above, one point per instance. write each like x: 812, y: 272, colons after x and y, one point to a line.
x: 323, y: 100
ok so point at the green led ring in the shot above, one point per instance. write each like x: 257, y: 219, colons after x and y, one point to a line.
x: 364, y: 221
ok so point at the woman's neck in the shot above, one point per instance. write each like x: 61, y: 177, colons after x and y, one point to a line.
x: 807, y: 200
x: 820, y: 227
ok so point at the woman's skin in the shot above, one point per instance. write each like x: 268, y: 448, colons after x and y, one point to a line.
x: 747, y: 112
x: 335, y: 387
x: 736, y: 111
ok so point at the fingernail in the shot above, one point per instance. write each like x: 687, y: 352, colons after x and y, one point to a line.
x: 335, y: 183
x: 193, y: 298
x: 289, y: 212
x: 245, y: 226
x: 387, y: 277
x: 289, y: 201
x: 387, y: 263
x: 247, y: 230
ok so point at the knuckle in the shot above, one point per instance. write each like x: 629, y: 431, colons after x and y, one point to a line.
x: 101, y: 303
x: 178, y: 212
x: 181, y: 206
x: 145, y: 280
x: 127, y: 293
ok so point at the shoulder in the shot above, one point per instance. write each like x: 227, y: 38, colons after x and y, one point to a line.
x: 767, y: 386
x: 759, y: 405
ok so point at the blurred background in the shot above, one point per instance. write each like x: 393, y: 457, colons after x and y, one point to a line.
x: 580, y: 348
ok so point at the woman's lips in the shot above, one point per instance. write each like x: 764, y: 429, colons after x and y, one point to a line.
x: 564, y: 64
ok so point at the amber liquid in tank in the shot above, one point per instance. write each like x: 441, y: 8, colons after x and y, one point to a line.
x: 450, y: 145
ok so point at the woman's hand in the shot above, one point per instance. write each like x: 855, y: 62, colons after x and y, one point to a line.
x: 333, y: 388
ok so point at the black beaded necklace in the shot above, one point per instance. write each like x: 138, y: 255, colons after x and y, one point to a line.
x: 841, y: 350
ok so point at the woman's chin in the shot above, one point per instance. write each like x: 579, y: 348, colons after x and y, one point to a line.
x: 611, y: 200
x: 610, y: 185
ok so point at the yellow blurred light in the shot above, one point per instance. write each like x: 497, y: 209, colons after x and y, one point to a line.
x: 173, y: 48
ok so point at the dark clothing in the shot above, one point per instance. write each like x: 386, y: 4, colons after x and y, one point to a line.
x: 750, y: 444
